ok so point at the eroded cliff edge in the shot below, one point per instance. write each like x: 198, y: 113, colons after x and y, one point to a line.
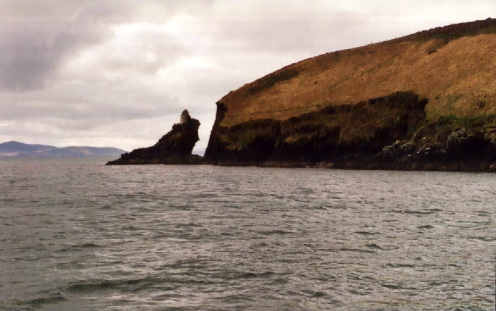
x: 175, y: 147
x: 423, y: 102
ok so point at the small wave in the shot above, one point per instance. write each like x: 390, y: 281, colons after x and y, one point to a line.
x: 92, y: 286
x: 354, y: 250
x: 374, y: 246
x: 338, y: 207
x: 279, y: 281
x: 249, y: 275
x: 231, y: 298
x: 392, y: 286
x: 135, y: 284
x: 79, y: 247
x: 319, y: 294
x: 38, y: 302
x: 131, y: 228
x: 89, y: 245
x: 270, y: 232
x: 482, y: 213
x: 399, y: 265
x: 320, y: 207
x: 426, y: 227
x: 357, y: 292
x: 266, y: 274
x: 435, y: 210
x: 426, y: 212
x: 482, y: 238
x: 188, y: 225
x: 366, y: 233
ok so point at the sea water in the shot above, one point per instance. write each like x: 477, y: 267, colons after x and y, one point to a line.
x: 79, y: 235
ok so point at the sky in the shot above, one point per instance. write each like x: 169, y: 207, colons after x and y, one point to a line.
x: 119, y: 73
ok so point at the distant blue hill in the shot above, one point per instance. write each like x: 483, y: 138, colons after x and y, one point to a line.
x: 14, y: 149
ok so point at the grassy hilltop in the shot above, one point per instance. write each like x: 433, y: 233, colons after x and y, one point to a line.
x: 454, y: 67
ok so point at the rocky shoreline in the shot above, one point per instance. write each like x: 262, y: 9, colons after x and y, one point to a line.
x: 386, y: 133
x: 403, y: 141
x: 472, y: 150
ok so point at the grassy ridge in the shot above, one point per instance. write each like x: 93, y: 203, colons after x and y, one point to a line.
x: 453, y: 32
x: 453, y: 67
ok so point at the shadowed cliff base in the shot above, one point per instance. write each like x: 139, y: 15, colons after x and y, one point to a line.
x: 175, y: 147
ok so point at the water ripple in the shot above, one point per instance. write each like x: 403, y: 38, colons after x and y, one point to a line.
x: 82, y: 236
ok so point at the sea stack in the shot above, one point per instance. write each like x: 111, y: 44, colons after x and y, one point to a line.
x: 175, y: 147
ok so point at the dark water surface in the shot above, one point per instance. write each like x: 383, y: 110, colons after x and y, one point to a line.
x: 78, y: 235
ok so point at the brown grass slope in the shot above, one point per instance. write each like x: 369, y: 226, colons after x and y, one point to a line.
x: 454, y: 67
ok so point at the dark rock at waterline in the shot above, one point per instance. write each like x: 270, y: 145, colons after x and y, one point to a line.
x: 471, y: 148
x: 334, y: 133
x: 175, y: 147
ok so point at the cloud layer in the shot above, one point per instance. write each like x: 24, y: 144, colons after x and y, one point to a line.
x: 118, y: 73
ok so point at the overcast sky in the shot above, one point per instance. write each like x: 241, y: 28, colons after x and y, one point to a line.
x: 119, y: 73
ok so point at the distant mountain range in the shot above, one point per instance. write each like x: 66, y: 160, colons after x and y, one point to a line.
x: 14, y: 149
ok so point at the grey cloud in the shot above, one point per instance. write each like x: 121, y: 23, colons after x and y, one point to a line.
x: 95, y: 106
x: 331, y: 25
x: 88, y: 115
x: 148, y: 54
x: 36, y: 37
x: 33, y: 47
x: 285, y: 36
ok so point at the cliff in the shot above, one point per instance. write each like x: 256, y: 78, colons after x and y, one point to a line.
x: 175, y: 147
x: 426, y: 101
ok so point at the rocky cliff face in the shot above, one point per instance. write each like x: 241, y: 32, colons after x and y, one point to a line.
x: 332, y: 133
x: 423, y: 102
x: 175, y: 147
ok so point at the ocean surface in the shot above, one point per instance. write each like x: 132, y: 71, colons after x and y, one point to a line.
x: 78, y: 235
